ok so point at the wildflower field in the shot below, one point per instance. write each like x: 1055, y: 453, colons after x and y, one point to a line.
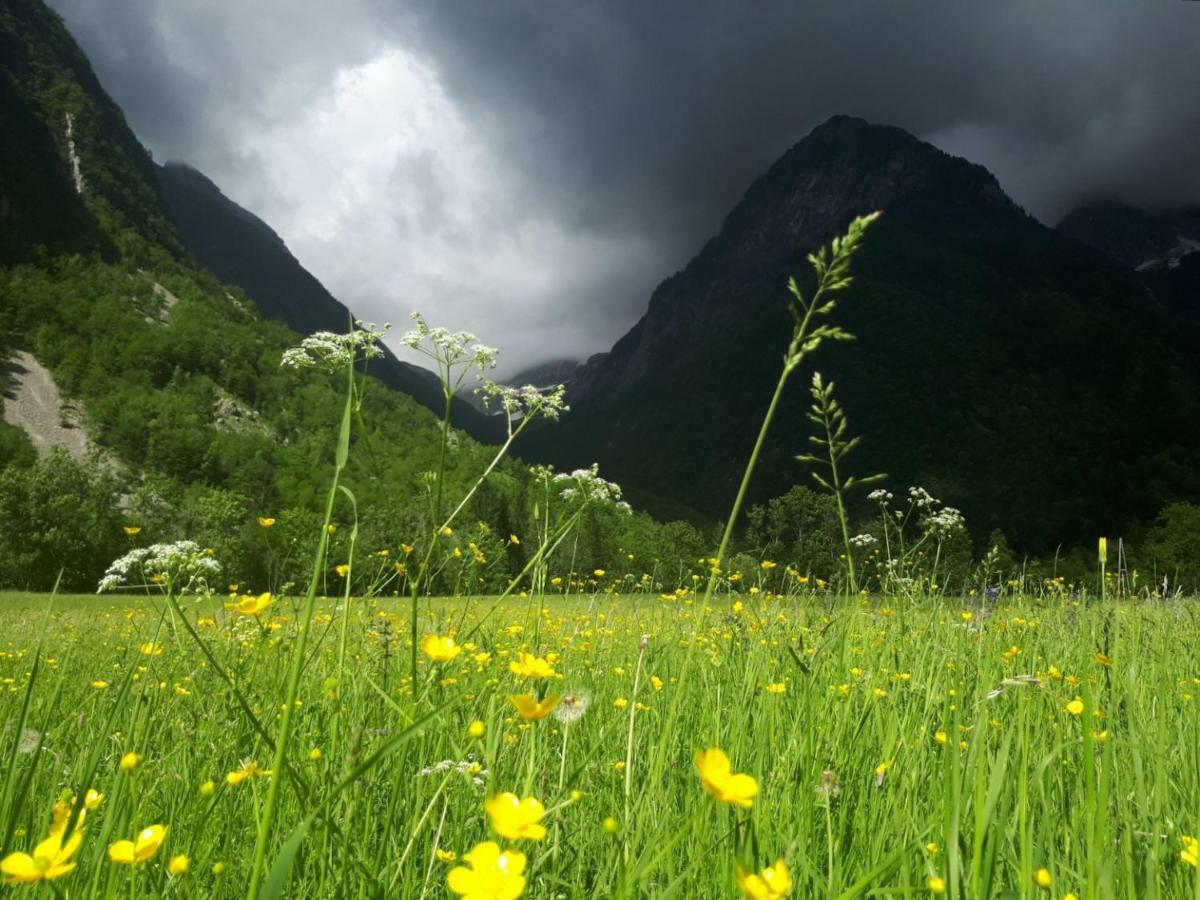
x: 1027, y: 747
x: 914, y: 724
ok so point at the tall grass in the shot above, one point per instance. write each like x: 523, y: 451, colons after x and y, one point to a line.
x: 1100, y: 800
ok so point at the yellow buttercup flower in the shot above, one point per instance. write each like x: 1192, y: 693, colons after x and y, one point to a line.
x: 718, y: 778
x: 248, y: 769
x: 1043, y: 878
x: 50, y: 859
x: 141, y: 848
x: 265, y: 521
x: 440, y: 649
x: 476, y: 729
x: 342, y: 570
x: 92, y: 799
x: 1190, y: 853
x: 1075, y: 707
x: 131, y: 530
x: 151, y: 648
x: 526, y: 665
x: 514, y: 818
x: 530, y: 708
x: 446, y: 856
x: 250, y: 606
x: 179, y: 865
x: 492, y: 874
x: 61, y: 814
x: 130, y: 761
x: 1102, y: 550
x: 769, y: 884
x: 936, y: 884
x: 777, y: 687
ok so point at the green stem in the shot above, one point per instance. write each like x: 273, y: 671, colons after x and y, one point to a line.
x: 744, y: 486
x: 297, y: 663
x: 633, y: 703
x: 836, y: 481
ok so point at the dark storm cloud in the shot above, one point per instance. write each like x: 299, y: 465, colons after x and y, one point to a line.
x: 676, y: 102
x: 530, y: 170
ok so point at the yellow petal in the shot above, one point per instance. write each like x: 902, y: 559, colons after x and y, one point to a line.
x: 49, y: 848
x: 121, y: 852
x: 149, y: 839
x: 20, y: 868
x: 483, y: 855
x: 512, y: 862
x: 72, y: 846
x: 462, y: 880
x: 58, y: 871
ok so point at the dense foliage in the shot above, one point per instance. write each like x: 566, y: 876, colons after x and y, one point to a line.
x: 179, y: 377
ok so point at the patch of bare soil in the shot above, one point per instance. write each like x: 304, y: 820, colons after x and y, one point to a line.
x: 32, y: 402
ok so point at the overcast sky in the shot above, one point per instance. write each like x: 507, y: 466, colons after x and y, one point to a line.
x: 531, y: 170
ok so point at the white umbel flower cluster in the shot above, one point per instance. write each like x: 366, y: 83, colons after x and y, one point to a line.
x: 921, y: 498
x: 470, y: 767
x: 519, y: 402
x: 182, y: 564
x: 946, y: 520
x: 329, y: 352
x: 442, y: 343
x: 586, y: 484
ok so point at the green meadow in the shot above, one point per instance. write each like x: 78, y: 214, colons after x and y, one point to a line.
x: 897, y: 747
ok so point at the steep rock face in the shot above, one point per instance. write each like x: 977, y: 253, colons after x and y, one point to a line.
x: 997, y: 362
x: 1138, y: 238
x: 556, y: 371
x: 239, y: 248
x: 843, y: 168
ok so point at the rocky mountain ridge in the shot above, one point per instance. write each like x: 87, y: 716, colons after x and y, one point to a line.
x: 996, y: 359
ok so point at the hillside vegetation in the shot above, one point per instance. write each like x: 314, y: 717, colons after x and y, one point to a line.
x: 177, y: 375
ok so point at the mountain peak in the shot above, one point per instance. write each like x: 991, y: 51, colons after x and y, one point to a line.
x: 846, y: 167
x: 843, y: 168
